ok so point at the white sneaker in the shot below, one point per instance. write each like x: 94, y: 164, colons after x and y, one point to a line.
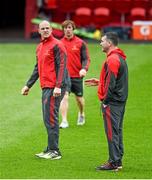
x: 81, y: 120
x: 64, y: 124
x: 42, y: 153
x: 53, y: 155
x: 45, y: 156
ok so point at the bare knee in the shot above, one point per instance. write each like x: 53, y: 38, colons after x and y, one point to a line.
x: 65, y: 98
x: 80, y: 100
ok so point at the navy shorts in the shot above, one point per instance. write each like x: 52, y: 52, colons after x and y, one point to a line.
x: 77, y: 86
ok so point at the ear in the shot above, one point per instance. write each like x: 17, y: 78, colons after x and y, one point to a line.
x: 110, y: 43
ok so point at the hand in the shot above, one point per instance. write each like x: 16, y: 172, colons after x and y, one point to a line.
x: 104, y: 105
x: 92, y: 82
x: 25, y: 90
x: 82, y: 73
x: 57, y: 92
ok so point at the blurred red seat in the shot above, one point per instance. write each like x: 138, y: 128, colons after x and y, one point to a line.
x: 82, y: 16
x: 101, y: 16
x: 50, y: 4
x: 122, y: 8
x: 150, y: 14
x: 67, y: 7
x: 137, y: 13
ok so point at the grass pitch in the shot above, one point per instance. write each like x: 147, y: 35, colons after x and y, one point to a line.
x: 22, y: 133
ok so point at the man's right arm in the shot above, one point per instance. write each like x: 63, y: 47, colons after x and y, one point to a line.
x: 34, y: 77
x: 31, y: 81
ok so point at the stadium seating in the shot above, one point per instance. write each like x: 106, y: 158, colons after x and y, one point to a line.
x: 140, y: 3
x: 137, y: 13
x: 150, y: 14
x: 103, y: 3
x: 121, y: 10
x: 85, y: 3
x: 101, y: 16
x: 59, y: 16
x: 68, y: 7
x: 95, y: 13
x: 50, y: 4
x: 82, y: 16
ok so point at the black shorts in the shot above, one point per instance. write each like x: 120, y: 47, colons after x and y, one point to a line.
x: 77, y: 86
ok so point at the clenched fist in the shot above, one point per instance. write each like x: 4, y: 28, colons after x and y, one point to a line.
x: 82, y: 73
x: 25, y: 90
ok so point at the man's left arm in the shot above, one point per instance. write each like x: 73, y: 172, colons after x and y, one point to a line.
x: 60, y: 65
x: 85, y: 60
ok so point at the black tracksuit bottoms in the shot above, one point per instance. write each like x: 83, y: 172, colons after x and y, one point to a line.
x: 113, y: 122
x: 50, y: 109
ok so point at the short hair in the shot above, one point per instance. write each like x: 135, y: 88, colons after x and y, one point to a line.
x: 113, y: 37
x: 44, y: 21
x: 67, y: 22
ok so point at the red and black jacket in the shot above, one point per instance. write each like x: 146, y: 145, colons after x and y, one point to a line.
x: 77, y: 56
x: 113, y: 85
x: 51, y: 64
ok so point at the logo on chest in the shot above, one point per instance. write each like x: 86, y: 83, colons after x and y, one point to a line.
x: 75, y: 48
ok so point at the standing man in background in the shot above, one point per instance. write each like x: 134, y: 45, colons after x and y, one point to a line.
x: 50, y: 68
x: 78, y: 61
x: 113, y: 93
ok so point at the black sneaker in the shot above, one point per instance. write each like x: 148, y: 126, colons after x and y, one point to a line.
x: 107, y: 166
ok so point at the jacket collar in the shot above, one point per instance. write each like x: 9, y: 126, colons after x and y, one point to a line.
x: 47, y: 39
x: 70, y: 38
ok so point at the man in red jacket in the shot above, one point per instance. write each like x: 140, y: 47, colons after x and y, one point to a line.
x: 113, y: 93
x: 50, y: 68
x: 77, y: 64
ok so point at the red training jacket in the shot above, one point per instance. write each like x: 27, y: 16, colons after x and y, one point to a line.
x: 113, y: 84
x: 77, y: 55
x: 51, y: 64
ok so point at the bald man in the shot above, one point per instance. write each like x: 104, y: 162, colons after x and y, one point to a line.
x: 51, y: 70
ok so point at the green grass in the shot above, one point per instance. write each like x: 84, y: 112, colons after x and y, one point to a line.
x: 22, y: 133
